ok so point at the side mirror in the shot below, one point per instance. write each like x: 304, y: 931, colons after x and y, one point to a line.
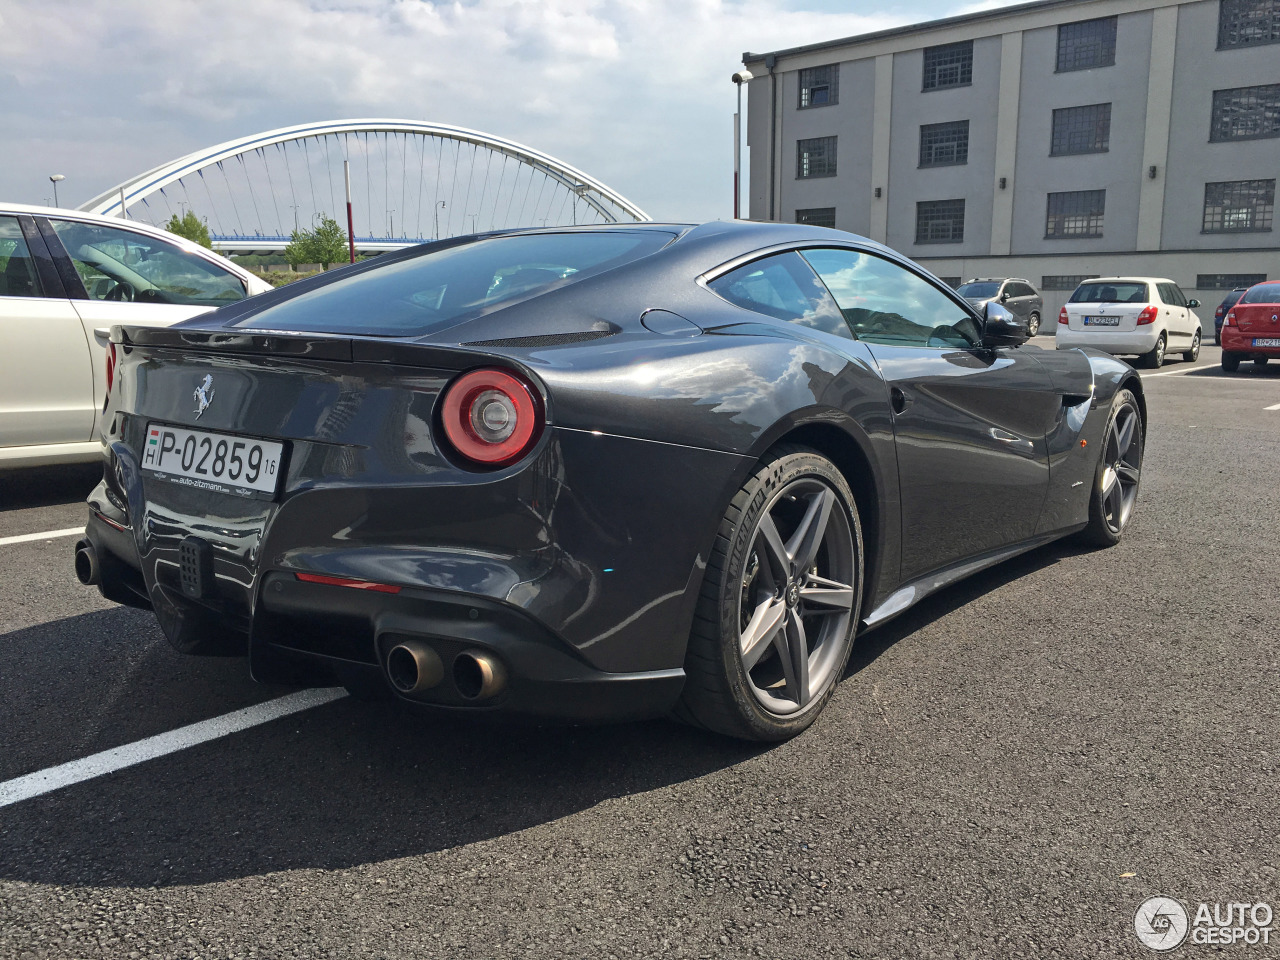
x: 1193, y: 304
x: 1004, y: 296
x: 1000, y: 328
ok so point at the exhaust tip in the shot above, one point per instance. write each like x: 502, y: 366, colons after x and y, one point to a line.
x: 477, y: 675
x: 413, y: 666
x: 87, y: 569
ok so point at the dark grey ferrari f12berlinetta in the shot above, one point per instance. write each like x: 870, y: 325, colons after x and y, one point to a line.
x: 593, y: 473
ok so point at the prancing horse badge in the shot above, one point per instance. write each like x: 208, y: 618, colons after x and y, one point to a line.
x: 204, y: 395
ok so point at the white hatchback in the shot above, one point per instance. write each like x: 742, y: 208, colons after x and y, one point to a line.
x: 65, y: 278
x: 1147, y: 317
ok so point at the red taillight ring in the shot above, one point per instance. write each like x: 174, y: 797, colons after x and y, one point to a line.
x: 491, y: 417
x: 111, y: 365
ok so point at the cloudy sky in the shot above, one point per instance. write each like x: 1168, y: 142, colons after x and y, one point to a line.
x: 634, y: 92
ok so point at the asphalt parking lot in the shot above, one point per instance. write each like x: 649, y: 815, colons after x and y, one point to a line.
x: 1006, y: 771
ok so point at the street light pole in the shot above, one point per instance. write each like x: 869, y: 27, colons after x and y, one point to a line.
x: 54, y: 179
x: 739, y: 78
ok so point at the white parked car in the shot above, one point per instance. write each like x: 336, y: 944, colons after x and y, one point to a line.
x: 65, y: 278
x: 1147, y: 317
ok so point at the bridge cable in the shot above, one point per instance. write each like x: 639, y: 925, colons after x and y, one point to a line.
x: 484, y: 188
x: 306, y: 156
x: 436, y: 199
x: 502, y: 176
x: 252, y: 196
x: 212, y: 206
x: 453, y: 186
x: 293, y: 195
x: 422, y: 161
x: 471, y: 175
x: 333, y: 199
x: 239, y: 222
x: 272, y: 187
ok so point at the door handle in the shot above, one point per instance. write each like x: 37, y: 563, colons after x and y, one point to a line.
x: 898, y: 399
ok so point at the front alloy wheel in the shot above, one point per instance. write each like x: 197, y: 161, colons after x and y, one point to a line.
x: 1033, y: 324
x: 1191, y: 355
x: 778, y: 610
x: 1118, y: 474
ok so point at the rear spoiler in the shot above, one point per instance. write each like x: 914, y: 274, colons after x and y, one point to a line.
x: 309, y: 346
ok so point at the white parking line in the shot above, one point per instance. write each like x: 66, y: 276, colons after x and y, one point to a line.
x: 1274, y: 406
x: 109, y: 761
x: 1175, y: 373
x: 47, y: 535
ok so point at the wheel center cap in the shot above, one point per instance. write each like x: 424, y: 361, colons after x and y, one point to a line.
x: 793, y: 593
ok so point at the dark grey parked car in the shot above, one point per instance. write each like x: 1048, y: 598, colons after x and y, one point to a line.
x: 1017, y: 296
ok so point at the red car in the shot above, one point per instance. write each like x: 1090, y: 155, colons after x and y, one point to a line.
x: 1251, y: 330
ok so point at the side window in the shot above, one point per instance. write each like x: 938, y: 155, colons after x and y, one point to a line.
x: 783, y: 287
x: 1021, y: 290
x: 17, y: 270
x: 1179, y: 298
x: 885, y: 303
x: 119, y: 264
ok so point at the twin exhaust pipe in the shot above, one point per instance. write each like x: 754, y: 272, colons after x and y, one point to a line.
x: 414, y: 667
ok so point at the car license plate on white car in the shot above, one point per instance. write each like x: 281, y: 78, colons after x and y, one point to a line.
x: 1102, y: 321
x: 1266, y: 341
x: 213, y: 461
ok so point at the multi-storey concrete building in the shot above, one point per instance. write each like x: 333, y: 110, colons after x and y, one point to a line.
x: 1051, y: 141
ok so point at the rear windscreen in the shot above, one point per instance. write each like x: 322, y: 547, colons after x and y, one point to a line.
x: 418, y: 296
x: 1262, y: 293
x: 1117, y: 291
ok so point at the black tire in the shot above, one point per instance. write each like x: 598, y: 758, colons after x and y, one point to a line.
x: 741, y: 594
x: 1153, y: 359
x: 1217, y: 337
x: 1260, y: 361
x: 1191, y: 355
x: 1230, y: 361
x: 1109, y: 508
x: 1033, y: 324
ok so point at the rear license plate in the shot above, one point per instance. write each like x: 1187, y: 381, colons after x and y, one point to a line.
x: 1102, y: 321
x: 1266, y: 342
x: 213, y: 461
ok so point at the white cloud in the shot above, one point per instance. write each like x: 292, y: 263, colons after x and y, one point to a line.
x: 634, y: 92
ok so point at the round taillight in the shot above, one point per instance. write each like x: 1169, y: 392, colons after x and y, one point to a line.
x: 491, y: 417
x: 111, y: 365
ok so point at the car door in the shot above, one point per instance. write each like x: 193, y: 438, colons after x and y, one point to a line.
x: 129, y: 277
x: 1014, y: 300
x: 1174, y: 313
x: 46, y: 384
x: 969, y: 422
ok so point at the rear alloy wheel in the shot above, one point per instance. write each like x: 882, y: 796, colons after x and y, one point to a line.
x: 1230, y: 361
x: 1115, y: 485
x: 1033, y: 324
x: 779, y: 604
x: 1191, y: 355
x: 1153, y: 359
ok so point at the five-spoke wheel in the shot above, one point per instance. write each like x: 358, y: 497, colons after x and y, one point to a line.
x: 1119, y: 472
x: 777, y: 613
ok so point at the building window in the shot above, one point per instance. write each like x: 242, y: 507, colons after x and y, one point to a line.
x: 1243, y: 206
x: 1227, y: 281
x: 1081, y: 130
x: 1246, y: 113
x: 1065, y: 281
x: 820, y: 86
x: 950, y: 65
x: 1243, y: 23
x: 940, y: 221
x: 1077, y: 213
x: 817, y: 216
x: 944, y: 144
x: 1087, y: 44
x: 815, y: 158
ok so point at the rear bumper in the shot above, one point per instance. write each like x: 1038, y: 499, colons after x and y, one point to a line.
x: 1128, y: 343
x: 1242, y: 343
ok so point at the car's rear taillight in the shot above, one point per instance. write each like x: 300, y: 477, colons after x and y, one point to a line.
x: 1148, y: 315
x: 1217, y: 313
x: 492, y: 417
x: 1062, y: 315
x: 1230, y: 321
x: 111, y: 365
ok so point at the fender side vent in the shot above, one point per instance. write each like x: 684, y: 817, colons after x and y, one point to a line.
x: 545, y: 340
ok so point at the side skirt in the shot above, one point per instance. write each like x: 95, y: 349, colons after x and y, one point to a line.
x: 907, y: 596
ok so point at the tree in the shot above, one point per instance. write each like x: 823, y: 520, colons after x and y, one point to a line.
x: 191, y: 227
x: 325, y: 244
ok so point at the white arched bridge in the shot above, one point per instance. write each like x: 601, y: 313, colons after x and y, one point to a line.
x: 411, y: 181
